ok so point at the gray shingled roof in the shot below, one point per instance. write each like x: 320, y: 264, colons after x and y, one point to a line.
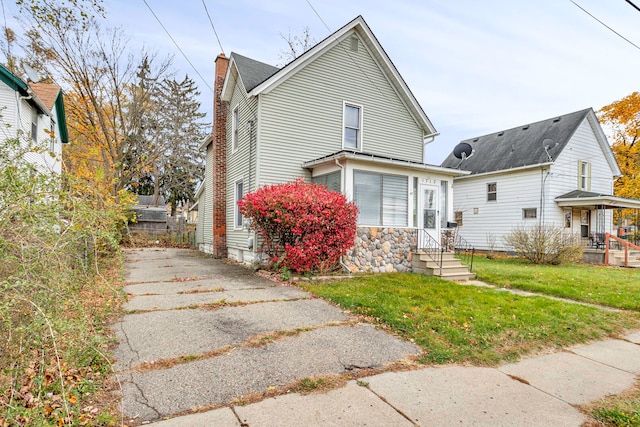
x: 253, y: 72
x: 520, y: 146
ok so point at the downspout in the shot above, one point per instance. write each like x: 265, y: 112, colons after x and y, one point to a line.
x: 343, y: 186
x: 543, y: 180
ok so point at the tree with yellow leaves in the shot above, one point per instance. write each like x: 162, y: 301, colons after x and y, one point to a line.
x: 622, y: 119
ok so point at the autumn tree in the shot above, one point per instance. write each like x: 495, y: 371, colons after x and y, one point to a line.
x: 622, y: 119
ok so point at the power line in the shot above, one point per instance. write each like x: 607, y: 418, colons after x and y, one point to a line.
x: 608, y: 27
x: 633, y: 5
x: 213, y: 26
x: 177, y: 46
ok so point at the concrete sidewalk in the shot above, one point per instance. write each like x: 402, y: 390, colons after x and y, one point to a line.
x: 212, y: 363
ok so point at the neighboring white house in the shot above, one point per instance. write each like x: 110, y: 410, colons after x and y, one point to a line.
x: 341, y: 115
x: 557, y: 172
x: 34, y: 111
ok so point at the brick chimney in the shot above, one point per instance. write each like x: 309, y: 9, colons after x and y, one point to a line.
x: 219, y: 161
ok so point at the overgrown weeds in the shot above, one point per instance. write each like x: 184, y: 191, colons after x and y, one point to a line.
x: 59, y: 274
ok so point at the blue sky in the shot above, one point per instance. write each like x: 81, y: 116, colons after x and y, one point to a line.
x: 476, y: 67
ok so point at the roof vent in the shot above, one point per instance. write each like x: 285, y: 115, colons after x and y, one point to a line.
x: 501, y: 133
x: 526, y: 127
x: 354, y: 44
x: 476, y: 140
x: 556, y: 120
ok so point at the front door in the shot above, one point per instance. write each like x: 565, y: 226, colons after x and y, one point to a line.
x: 428, y: 216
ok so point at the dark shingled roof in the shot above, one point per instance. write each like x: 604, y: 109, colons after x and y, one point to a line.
x: 253, y: 72
x: 520, y: 146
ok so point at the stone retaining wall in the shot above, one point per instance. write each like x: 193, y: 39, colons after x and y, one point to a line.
x: 381, y: 250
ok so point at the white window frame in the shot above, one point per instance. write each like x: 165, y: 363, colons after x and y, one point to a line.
x: 235, y: 132
x: 525, y: 210
x: 34, y: 125
x: 494, y: 192
x: 238, y: 193
x: 359, y: 137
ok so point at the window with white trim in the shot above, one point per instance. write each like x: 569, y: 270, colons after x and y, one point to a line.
x: 352, y: 130
x: 492, y: 192
x: 381, y: 199
x: 34, y: 125
x: 239, y: 192
x: 529, y: 213
x: 234, y: 129
x: 584, y: 175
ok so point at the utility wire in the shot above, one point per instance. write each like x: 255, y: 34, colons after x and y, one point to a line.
x: 611, y: 29
x: 213, y: 26
x: 177, y: 46
x: 633, y: 5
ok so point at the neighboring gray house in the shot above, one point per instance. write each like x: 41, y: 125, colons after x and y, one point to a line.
x: 558, y: 172
x: 35, y: 111
x: 341, y: 115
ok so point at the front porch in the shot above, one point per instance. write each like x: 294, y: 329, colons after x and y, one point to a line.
x: 611, y: 250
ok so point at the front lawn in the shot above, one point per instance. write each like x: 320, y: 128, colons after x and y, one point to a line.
x: 456, y: 323
x: 610, y: 286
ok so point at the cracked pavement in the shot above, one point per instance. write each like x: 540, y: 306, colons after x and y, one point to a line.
x: 206, y: 356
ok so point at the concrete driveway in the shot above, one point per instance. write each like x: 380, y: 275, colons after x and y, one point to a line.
x: 200, y: 333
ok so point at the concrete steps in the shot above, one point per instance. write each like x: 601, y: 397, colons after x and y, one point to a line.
x: 452, y: 268
x: 616, y: 257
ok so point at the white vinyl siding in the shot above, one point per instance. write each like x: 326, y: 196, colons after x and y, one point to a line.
x: 381, y: 199
x: 205, y: 203
x: 485, y: 219
x: 303, y: 116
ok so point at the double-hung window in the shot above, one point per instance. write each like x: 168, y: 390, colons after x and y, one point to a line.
x: 584, y: 175
x: 239, y: 190
x: 34, y: 125
x: 352, y: 132
x: 381, y: 199
x: 492, y: 192
x: 234, y: 129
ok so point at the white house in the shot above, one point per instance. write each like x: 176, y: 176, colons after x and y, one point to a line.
x: 33, y: 111
x: 340, y: 114
x: 557, y: 172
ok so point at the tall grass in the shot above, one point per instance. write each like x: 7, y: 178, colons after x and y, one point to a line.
x: 58, y: 284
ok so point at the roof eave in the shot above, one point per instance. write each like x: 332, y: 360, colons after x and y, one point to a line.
x: 518, y: 169
x: 609, y: 201
x: 348, y: 155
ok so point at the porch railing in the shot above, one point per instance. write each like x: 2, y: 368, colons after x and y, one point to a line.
x: 620, y: 243
x: 449, y: 241
x: 465, y: 251
x: 432, y: 248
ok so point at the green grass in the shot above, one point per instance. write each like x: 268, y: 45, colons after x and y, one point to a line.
x: 610, y: 286
x: 622, y: 410
x: 456, y: 323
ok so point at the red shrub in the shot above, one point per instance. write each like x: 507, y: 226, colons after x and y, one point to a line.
x: 305, y: 226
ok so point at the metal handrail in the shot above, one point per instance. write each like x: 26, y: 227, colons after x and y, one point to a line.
x: 432, y: 248
x: 465, y: 251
